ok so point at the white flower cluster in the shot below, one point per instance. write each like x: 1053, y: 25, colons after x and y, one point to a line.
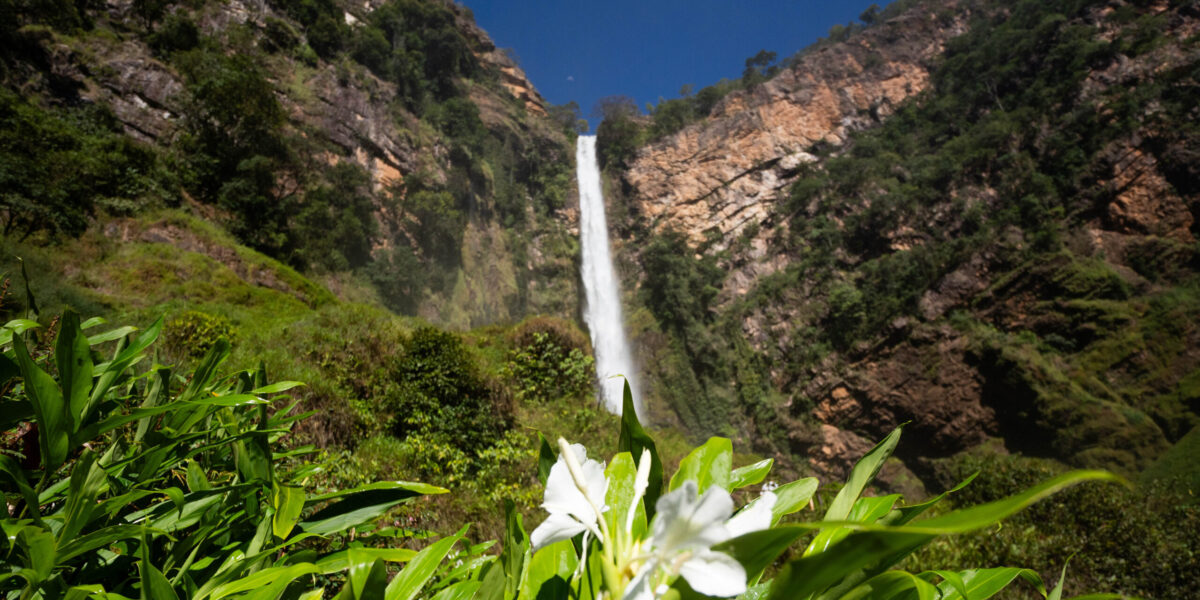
x: 684, y: 530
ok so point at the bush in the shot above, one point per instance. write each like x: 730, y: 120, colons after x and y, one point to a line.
x: 543, y: 370
x: 443, y: 398
x: 57, y: 166
x: 177, y: 34
x: 1140, y: 542
x: 336, y: 227
x: 193, y: 333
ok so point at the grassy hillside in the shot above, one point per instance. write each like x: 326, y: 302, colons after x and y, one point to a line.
x: 395, y: 397
x: 310, y: 140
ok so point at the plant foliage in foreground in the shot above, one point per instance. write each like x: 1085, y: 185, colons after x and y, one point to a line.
x: 137, y: 485
x: 623, y: 531
x: 125, y: 484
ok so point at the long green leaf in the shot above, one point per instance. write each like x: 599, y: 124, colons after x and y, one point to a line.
x: 38, y: 545
x: 275, y: 388
x: 750, y: 474
x: 892, y: 584
x: 463, y: 590
x: 268, y: 577
x: 414, y: 576
x: 790, y: 497
x: 366, y: 578
x: 288, y: 503
x: 362, y: 505
x: 416, y: 488
x: 620, y: 474
x: 154, y: 584
x: 907, y: 513
x: 878, y: 546
x: 516, y: 550
x: 74, y: 359
x: 865, y: 510
x: 115, y: 368
x: 758, y: 549
x: 100, y: 538
x: 87, y: 482
x: 111, y: 335
x: 48, y: 406
x: 633, y: 440
x: 708, y: 465
x: 340, y: 561
x: 864, y: 471
x: 983, y: 515
x: 981, y: 584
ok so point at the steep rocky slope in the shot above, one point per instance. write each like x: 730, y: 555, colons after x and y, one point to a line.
x: 721, y: 175
x: 974, y: 217
x: 490, y: 176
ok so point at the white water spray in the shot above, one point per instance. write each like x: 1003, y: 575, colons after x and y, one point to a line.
x: 602, y: 311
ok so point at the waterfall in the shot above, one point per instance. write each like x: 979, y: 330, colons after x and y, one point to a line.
x: 602, y: 311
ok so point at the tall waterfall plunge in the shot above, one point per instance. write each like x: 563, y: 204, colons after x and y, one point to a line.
x: 602, y: 311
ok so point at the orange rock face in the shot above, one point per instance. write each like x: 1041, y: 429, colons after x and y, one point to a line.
x: 722, y: 174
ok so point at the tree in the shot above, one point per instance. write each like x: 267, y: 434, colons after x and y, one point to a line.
x: 615, y: 108
x: 336, y: 226
x: 759, y: 67
x: 568, y: 116
x: 871, y: 15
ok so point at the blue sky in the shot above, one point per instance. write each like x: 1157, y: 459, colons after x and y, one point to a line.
x: 583, y: 51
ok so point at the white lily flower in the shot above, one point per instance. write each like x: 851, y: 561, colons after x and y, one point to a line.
x: 684, y: 531
x: 574, y: 497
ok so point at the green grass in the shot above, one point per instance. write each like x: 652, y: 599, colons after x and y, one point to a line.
x: 1177, y: 468
x: 347, y: 354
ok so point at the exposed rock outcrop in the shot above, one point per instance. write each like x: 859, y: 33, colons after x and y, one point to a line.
x: 723, y: 173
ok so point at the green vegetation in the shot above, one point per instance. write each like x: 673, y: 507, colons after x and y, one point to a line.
x: 261, y: 164
x: 978, y: 218
x: 190, y: 483
x: 1133, y: 541
x: 181, y: 480
x: 58, y: 167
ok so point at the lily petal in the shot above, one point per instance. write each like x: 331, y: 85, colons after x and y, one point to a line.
x: 561, y: 494
x: 709, y: 517
x: 556, y: 527
x: 684, y: 522
x: 755, y: 517
x: 642, y: 585
x: 714, y: 574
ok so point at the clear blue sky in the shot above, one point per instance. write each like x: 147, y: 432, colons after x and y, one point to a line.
x: 583, y: 51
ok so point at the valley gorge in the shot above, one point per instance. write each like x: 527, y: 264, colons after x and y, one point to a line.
x: 973, y: 221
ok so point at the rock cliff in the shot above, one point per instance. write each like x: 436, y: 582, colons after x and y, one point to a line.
x: 338, y: 109
x: 724, y: 173
x: 1041, y: 331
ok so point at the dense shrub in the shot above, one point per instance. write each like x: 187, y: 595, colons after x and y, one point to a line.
x: 58, y: 166
x: 444, y: 398
x: 417, y: 46
x: 545, y: 370
x: 234, y: 146
x: 336, y: 226
x: 1141, y: 542
x: 192, y: 333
